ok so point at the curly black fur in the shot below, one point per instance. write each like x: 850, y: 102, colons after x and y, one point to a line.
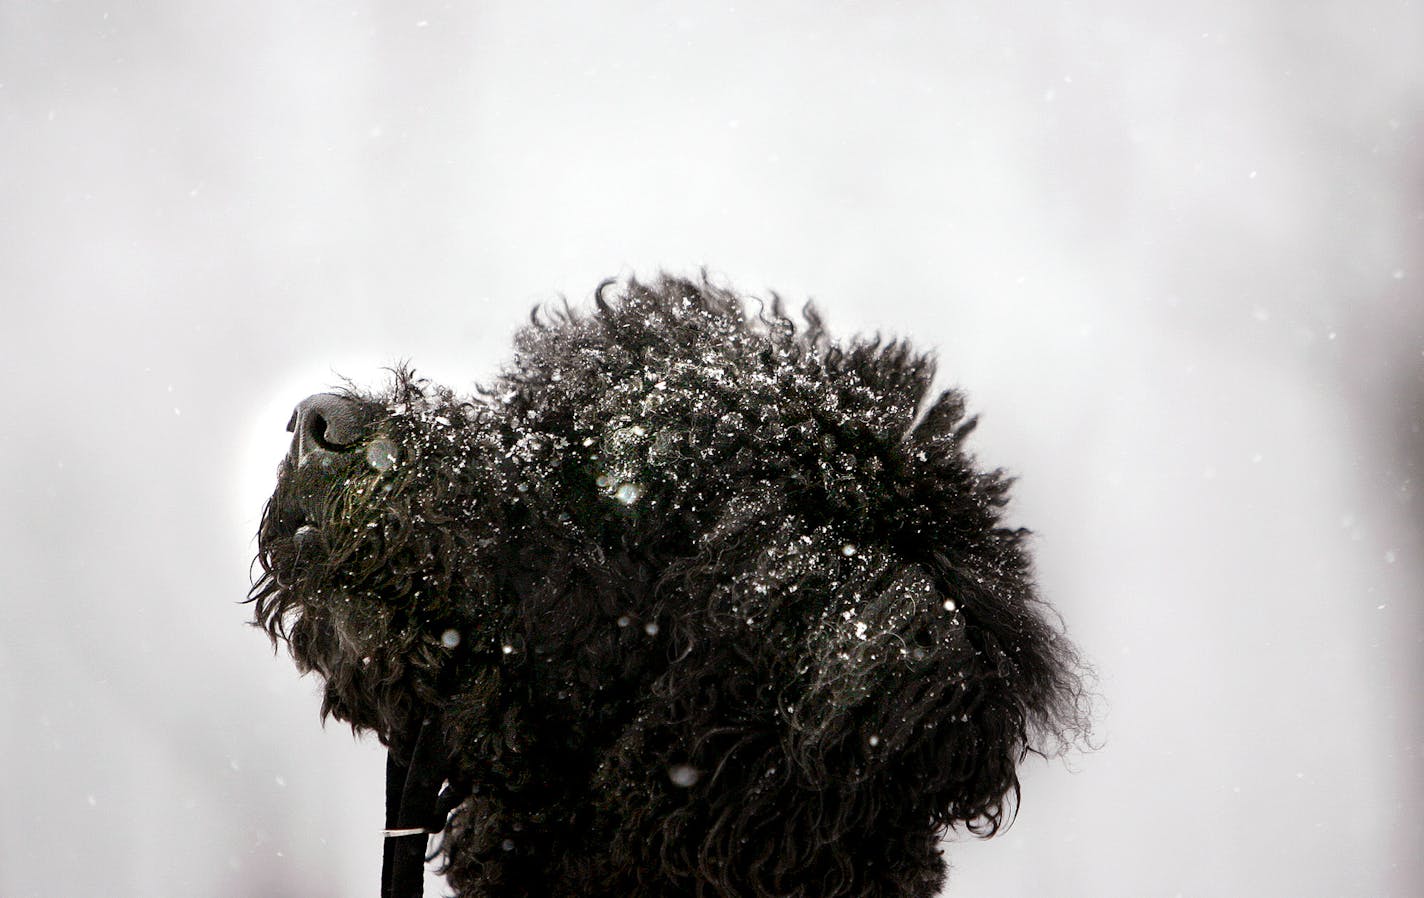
x: 709, y: 604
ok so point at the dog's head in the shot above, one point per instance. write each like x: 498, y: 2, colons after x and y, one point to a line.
x: 794, y: 526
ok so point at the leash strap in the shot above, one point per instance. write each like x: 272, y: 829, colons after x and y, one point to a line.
x: 412, y: 792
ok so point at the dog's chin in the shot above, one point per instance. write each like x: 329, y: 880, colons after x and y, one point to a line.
x: 291, y: 541
x: 299, y: 513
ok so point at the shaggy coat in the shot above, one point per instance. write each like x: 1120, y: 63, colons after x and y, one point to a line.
x: 706, y: 603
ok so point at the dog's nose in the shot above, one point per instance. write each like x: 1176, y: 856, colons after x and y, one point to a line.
x: 325, y: 422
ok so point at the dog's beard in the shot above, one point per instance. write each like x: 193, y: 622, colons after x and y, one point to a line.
x: 360, y: 568
x: 324, y: 532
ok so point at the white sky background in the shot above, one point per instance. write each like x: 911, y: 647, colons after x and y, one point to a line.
x: 1173, y: 251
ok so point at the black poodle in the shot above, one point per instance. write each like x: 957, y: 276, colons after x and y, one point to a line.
x: 692, y: 601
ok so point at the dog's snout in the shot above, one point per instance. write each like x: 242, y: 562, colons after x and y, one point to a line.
x: 325, y: 422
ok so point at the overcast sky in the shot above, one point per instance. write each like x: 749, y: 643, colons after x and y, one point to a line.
x: 1173, y: 252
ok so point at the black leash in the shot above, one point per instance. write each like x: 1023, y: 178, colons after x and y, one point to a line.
x: 415, y: 808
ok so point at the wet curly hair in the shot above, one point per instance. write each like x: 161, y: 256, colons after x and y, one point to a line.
x: 708, y: 604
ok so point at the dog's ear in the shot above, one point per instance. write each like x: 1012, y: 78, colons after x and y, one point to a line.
x: 1018, y: 690
x: 938, y: 667
x: 931, y: 695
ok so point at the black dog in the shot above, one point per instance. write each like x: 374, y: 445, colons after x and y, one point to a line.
x: 691, y: 602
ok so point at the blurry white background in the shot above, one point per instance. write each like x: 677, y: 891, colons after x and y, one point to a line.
x: 1173, y: 251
